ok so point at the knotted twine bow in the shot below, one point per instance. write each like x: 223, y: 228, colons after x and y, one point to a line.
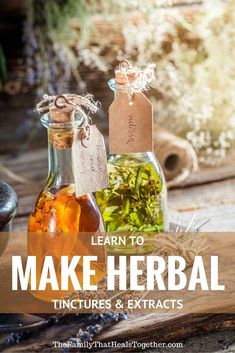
x: 140, y: 82
x: 86, y: 142
x: 77, y: 102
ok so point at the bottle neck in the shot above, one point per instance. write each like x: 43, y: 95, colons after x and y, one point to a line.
x: 120, y: 89
x: 60, y: 171
x: 60, y: 140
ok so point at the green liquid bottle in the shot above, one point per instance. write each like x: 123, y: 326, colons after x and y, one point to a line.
x: 136, y: 200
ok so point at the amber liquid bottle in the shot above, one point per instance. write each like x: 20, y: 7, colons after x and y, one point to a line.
x: 60, y: 221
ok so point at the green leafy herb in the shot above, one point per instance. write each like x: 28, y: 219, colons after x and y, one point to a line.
x: 133, y: 202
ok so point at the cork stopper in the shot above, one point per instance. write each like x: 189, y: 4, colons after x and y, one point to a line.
x: 64, y: 115
x: 61, y: 120
x: 61, y: 138
x: 123, y: 77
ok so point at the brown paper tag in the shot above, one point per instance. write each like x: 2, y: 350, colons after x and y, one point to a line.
x: 130, y: 125
x: 89, y: 162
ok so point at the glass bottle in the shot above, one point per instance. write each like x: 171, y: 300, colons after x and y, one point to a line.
x: 59, y: 218
x: 137, y: 198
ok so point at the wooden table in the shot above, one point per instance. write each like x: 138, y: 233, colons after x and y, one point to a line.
x: 210, y: 193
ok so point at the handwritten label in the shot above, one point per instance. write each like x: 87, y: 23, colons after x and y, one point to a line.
x: 131, y: 129
x: 130, y: 125
x: 89, y: 162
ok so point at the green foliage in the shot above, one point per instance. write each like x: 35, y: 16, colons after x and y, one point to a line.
x: 51, y: 57
x: 133, y: 202
x: 57, y: 14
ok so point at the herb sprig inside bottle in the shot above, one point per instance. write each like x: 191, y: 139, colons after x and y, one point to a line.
x: 137, y: 198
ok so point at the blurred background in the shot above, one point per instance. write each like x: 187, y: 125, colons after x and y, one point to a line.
x: 59, y: 46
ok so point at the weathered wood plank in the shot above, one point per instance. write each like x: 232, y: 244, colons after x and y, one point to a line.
x: 162, y: 328
x: 20, y: 224
x: 173, y: 329
x: 215, y: 200
x: 33, y: 165
x: 208, y: 174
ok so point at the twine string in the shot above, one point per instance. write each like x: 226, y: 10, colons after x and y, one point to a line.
x: 143, y: 78
x: 77, y: 102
